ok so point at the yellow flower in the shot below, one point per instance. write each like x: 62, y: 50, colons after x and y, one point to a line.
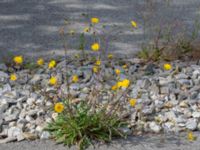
x: 94, y: 20
x: 13, y: 77
x: 87, y: 29
x: 75, y: 78
x: 124, y: 83
x: 191, y: 137
x: 59, y: 107
x: 117, y: 71
x: 95, y: 46
x: 53, y: 81
x: 77, y: 56
x: 95, y: 69
x: 167, y: 66
x: 133, y: 102
x: 40, y: 62
x: 114, y: 87
x: 18, y: 60
x: 52, y: 64
x: 98, y: 62
x: 110, y: 56
x: 124, y: 66
x: 134, y: 24
x: 71, y: 32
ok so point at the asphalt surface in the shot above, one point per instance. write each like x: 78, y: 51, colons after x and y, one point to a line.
x: 153, y: 142
x: 30, y: 27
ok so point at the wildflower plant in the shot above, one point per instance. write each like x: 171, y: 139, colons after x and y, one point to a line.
x: 84, y: 122
x: 77, y: 125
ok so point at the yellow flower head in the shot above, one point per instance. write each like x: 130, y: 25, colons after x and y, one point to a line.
x: 52, y: 64
x: 123, y: 84
x: 53, y: 81
x: 167, y: 66
x: 94, y: 20
x: 98, y: 62
x: 134, y: 24
x: 191, y: 137
x: 132, y: 102
x: 110, y: 56
x: 87, y: 29
x: 40, y: 62
x: 95, y: 46
x: 18, y: 60
x: 71, y: 32
x: 13, y: 77
x: 77, y: 56
x: 124, y: 66
x: 114, y: 87
x: 95, y: 69
x: 117, y: 71
x: 75, y: 78
x: 59, y: 107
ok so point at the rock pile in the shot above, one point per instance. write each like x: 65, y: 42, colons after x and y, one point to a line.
x: 167, y: 101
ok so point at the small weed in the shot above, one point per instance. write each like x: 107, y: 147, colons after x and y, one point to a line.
x: 79, y: 125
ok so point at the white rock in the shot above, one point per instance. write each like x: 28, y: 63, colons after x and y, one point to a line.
x: 14, y: 132
x: 39, y: 128
x: 5, y: 88
x: 45, y: 135
x: 191, y: 124
x: 125, y: 131
x: 3, y: 106
x: 3, y: 67
x: 30, y: 101
x: 154, y: 127
x: 168, y: 126
x: 196, y: 114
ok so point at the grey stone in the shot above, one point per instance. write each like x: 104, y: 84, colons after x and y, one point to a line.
x: 195, y: 74
x: 11, y: 94
x: 3, y: 77
x: 30, y: 101
x: 191, y: 124
x: 165, y: 81
x: 196, y: 114
x: 164, y: 90
x: 181, y: 76
x: 5, y: 88
x: 14, y: 132
x: 145, y: 84
x: 125, y: 131
x: 45, y: 135
x: 3, y: 106
x: 3, y: 67
x: 75, y: 87
x: 148, y: 110
x: 83, y: 96
x: 185, y: 82
x: 36, y: 79
x: 168, y: 126
x: 154, y: 127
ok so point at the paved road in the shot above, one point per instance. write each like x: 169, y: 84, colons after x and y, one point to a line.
x: 30, y: 27
x: 153, y: 142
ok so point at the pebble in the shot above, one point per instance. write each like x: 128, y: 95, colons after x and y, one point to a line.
x: 191, y: 124
x: 154, y: 127
x: 45, y: 135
